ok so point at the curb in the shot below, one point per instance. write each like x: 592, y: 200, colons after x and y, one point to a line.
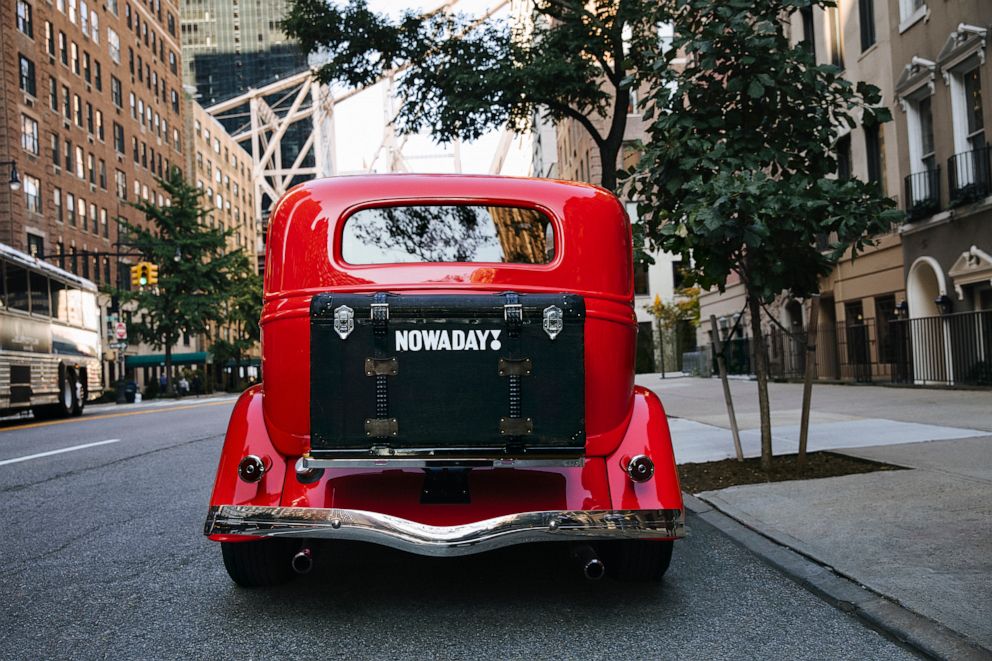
x: 908, y: 628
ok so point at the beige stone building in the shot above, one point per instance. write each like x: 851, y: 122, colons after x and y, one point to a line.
x: 91, y: 113
x: 223, y: 170
x: 915, y: 307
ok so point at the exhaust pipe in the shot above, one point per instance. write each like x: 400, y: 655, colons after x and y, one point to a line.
x: 303, y: 561
x: 588, y: 560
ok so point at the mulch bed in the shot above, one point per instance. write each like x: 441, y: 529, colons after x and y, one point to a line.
x: 730, y: 472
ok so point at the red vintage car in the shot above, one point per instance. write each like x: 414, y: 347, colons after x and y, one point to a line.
x: 448, y: 368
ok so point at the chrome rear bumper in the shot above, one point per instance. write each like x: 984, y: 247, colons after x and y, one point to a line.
x: 464, y: 539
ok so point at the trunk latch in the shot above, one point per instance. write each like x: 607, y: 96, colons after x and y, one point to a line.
x: 344, y: 321
x: 553, y: 321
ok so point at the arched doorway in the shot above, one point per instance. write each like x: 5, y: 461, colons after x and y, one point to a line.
x: 924, y: 286
x: 928, y: 331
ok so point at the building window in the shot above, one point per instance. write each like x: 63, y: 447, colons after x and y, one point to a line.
x: 63, y: 48
x: 49, y: 38
x: 115, y: 92
x: 80, y: 163
x: 104, y: 226
x: 866, y: 18
x: 77, y: 110
x: 32, y: 193
x: 26, y: 79
x: 99, y: 125
x: 922, y: 183
x: 24, y: 18
x: 86, y: 67
x: 98, y: 76
x: 53, y: 94
x: 67, y: 152
x: 53, y: 140
x: 118, y: 138
x: 57, y: 200
x: 910, y: 11
x: 969, y: 167
x: 66, y: 103
x: 120, y: 182
x: 29, y: 135
x: 844, y: 157
x: 874, y: 155
x: 74, y: 57
x: 114, y: 45
x: 70, y: 208
x: 103, y: 174
x: 973, y: 109
x: 36, y: 248
x: 836, y: 42
x: 81, y: 213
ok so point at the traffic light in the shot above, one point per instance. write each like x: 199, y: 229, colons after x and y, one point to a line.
x: 144, y: 274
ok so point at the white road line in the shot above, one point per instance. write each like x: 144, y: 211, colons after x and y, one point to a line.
x: 51, y: 452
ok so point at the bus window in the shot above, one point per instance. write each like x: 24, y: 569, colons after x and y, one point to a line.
x: 60, y: 302
x: 74, y: 306
x: 91, y: 314
x: 17, y: 287
x: 39, y: 295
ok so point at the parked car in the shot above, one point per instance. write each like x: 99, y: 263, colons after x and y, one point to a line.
x: 449, y: 368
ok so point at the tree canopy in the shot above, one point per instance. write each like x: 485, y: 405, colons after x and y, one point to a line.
x: 195, y: 268
x: 740, y: 174
x: 461, y: 76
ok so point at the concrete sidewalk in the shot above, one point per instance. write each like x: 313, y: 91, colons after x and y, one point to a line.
x: 921, y: 537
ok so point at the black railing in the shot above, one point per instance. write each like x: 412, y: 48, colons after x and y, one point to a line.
x: 969, y: 175
x: 922, y: 193
x: 951, y: 350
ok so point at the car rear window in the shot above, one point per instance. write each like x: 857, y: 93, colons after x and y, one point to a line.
x: 447, y: 233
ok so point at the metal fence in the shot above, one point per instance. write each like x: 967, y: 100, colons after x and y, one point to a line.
x: 951, y: 349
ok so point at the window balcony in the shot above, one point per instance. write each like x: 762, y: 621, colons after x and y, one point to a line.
x: 969, y: 175
x: 922, y: 193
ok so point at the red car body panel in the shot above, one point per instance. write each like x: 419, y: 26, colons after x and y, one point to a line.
x: 592, y: 239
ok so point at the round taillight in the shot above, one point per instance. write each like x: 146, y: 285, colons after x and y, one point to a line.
x: 640, y: 468
x: 251, y: 469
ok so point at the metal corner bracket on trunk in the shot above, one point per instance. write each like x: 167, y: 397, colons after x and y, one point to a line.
x: 423, y: 539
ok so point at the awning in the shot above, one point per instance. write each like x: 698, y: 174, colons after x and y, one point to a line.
x: 148, y: 360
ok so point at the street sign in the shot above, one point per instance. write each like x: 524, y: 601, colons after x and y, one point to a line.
x: 120, y: 330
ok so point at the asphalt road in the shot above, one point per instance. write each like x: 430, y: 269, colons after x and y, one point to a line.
x: 102, y: 555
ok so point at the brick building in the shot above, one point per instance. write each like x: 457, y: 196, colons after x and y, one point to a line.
x: 92, y: 113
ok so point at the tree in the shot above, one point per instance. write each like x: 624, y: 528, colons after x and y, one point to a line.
x: 740, y: 174
x: 194, y: 267
x: 241, y: 313
x: 461, y: 77
x: 683, y: 309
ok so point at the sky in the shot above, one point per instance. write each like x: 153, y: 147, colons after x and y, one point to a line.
x: 359, y: 124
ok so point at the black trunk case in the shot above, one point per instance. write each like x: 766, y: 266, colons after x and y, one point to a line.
x: 453, y: 403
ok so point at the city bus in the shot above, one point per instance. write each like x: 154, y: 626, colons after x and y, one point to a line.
x: 50, y: 348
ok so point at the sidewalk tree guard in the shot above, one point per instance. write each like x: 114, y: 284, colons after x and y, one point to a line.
x: 739, y: 176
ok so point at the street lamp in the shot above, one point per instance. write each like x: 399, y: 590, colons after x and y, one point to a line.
x: 15, y: 179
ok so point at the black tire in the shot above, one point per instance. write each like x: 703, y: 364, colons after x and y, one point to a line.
x: 260, y: 563
x: 79, y: 392
x: 636, y: 560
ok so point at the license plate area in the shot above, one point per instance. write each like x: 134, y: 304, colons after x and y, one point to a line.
x: 439, y: 376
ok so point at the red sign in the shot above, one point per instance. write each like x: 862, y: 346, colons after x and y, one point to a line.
x: 120, y: 330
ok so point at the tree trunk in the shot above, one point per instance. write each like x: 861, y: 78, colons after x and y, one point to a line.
x: 609, y: 151
x: 761, y: 371
x: 168, y: 369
